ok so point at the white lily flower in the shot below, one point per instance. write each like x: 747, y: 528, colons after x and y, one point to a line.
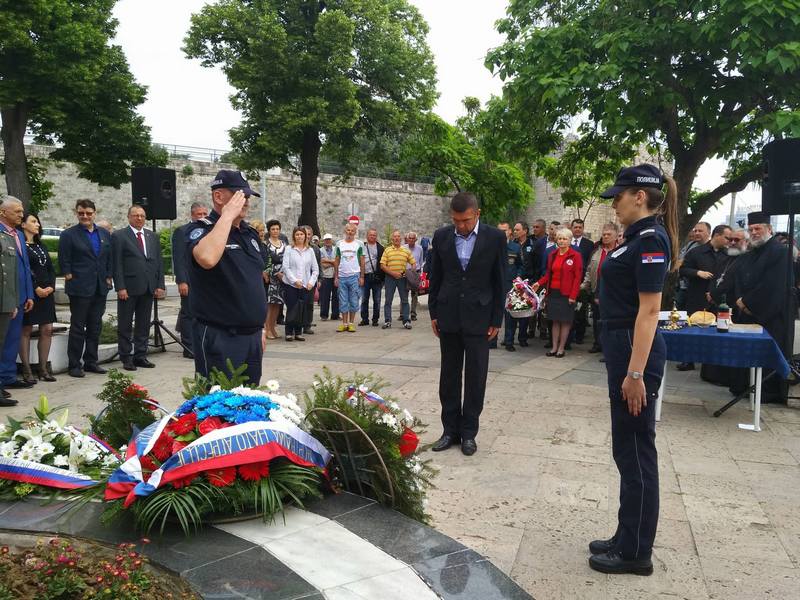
x: 60, y: 460
x: 8, y: 449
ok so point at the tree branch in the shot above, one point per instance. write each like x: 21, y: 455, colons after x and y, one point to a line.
x: 737, y: 184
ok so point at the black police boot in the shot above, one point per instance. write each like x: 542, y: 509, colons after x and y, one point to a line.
x: 602, y: 546
x: 613, y: 563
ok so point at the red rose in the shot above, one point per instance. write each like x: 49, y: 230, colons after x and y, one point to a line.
x: 210, y: 424
x: 177, y: 446
x: 408, y: 442
x: 221, y: 477
x: 162, y: 449
x: 254, y: 471
x: 184, y: 424
x: 183, y: 482
x: 135, y: 390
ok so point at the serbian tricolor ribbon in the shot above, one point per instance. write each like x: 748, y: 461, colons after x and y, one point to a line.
x: 653, y: 257
x: 354, y: 393
x: 256, y: 441
x: 27, y: 471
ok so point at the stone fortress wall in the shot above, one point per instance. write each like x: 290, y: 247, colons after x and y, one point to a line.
x: 380, y: 203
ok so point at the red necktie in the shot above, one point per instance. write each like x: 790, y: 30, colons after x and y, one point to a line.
x: 140, y: 240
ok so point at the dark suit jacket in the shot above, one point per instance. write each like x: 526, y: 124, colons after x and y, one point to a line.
x: 701, y: 258
x: 470, y: 300
x: 179, y: 255
x: 586, y: 249
x: 132, y: 271
x: 75, y: 256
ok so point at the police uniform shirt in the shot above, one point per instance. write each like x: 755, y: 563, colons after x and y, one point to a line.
x: 230, y: 294
x: 645, y: 254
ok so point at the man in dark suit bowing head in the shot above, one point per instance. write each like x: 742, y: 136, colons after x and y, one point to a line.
x: 466, y: 306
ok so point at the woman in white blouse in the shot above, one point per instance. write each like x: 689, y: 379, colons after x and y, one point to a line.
x: 300, y: 273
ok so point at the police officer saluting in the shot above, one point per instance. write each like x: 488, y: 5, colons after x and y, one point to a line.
x: 632, y: 278
x: 227, y: 300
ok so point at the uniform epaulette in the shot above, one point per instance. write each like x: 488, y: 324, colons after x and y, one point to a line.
x: 647, y: 232
x: 205, y: 221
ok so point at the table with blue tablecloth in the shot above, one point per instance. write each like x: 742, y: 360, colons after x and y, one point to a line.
x: 755, y: 351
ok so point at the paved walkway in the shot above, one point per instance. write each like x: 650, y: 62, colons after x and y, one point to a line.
x: 543, y: 482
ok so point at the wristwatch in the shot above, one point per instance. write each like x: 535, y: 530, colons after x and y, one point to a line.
x: 634, y: 375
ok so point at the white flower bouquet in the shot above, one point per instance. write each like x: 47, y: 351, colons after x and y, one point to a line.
x: 521, y: 300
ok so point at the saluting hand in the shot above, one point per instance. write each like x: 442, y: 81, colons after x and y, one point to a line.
x: 635, y: 394
x: 234, y: 206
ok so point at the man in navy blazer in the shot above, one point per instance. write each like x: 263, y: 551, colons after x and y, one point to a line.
x: 11, y: 213
x: 466, y: 302
x: 84, y: 257
x: 585, y: 247
x: 138, y: 278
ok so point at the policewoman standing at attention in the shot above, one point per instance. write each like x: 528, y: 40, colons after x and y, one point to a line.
x: 228, y: 299
x: 632, y: 278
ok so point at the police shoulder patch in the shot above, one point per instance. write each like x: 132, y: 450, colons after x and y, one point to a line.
x: 196, y: 233
x: 255, y: 244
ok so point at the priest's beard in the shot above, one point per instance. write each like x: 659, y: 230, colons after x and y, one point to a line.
x: 761, y: 242
x: 735, y: 251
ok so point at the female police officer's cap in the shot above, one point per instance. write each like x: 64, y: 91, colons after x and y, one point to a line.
x: 643, y: 175
x: 232, y: 180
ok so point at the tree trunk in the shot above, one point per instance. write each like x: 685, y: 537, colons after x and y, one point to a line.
x: 309, y: 171
x: 684, y: 175
x: 15, y: 120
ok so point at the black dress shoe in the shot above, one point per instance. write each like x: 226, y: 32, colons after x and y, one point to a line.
x: 19, y: 384
x: 686, y: 367
x: 308, y: 331
x: 95, y: 369
x: 128, y: 365
x: 363, y: 322
x: 595, y: 349
x: 510, y: 347
x: 76, y: 372
x: 8, y: 402
x: 375, y: 323
x: 524, y: 344
x: 468, y: 447
x: 444, y: 442
x: 602, y: 546
x: 143, y: 362
x: 5, y: 393
x: 613, y: 563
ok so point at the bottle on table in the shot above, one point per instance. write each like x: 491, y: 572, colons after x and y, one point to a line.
x: 723, y: 316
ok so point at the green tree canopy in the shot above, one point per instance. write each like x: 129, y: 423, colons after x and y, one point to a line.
x: 456, y: 157
x: 703, y: 78
x: 307, y: 72
x: 63, y: 80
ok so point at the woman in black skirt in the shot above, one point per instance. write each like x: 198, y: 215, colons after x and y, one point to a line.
x: 563, y: 282
x: 43, y: 312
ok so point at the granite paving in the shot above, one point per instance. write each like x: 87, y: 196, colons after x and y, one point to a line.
x: 543, y: 483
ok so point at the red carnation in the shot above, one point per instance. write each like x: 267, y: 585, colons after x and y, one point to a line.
x: 135, y: 390
x: 210, y: 424
x: 254, y: 471
x: 221, y: 477
x: 184, y: 481
x: 184, y: 424
x: 162, y: 449
x: 408, y: 442
x: 148, y: 464
x: 177, y: 446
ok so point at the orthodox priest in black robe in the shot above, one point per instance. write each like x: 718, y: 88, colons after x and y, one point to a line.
x: 763, y: 285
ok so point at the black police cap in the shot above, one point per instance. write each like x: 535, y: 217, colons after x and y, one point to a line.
x: 643, y: 175
x: 233, y: 180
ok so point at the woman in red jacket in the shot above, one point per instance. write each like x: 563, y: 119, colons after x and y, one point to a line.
x: 563, y: 282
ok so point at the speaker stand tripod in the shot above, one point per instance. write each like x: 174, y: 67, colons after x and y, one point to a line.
x: 158, y: 327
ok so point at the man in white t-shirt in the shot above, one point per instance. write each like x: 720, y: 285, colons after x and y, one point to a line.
x: 349, y: 277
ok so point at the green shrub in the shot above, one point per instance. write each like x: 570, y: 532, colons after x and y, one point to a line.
x: 51, y: 243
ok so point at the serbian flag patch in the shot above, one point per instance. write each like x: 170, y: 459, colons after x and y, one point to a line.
x: 653, y: 257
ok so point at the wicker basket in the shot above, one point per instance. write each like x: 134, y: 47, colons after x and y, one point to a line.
x: 521, y: 314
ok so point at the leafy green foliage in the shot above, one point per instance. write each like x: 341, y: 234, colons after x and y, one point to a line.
x: 701, y: 78
x: 41, y: 189
x: 409, y: 477
x: 199, y: 385
x: 123, y: 410
x: 462, y: 164
x: 65, y: 81
x: 339, y: 71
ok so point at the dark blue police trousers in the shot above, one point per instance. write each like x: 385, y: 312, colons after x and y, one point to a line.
x: 633, y: 442
x: 213, y: 345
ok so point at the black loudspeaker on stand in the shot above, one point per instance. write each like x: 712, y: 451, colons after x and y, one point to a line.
x: 153, y: 188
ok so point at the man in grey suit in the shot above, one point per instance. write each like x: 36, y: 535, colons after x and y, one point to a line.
x: 197, y: 211
x: 138, y: 278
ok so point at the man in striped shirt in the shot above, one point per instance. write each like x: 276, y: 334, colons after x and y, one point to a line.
x: 393, y: 263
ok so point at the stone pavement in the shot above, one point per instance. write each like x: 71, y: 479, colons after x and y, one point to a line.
x: 543, y: 482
